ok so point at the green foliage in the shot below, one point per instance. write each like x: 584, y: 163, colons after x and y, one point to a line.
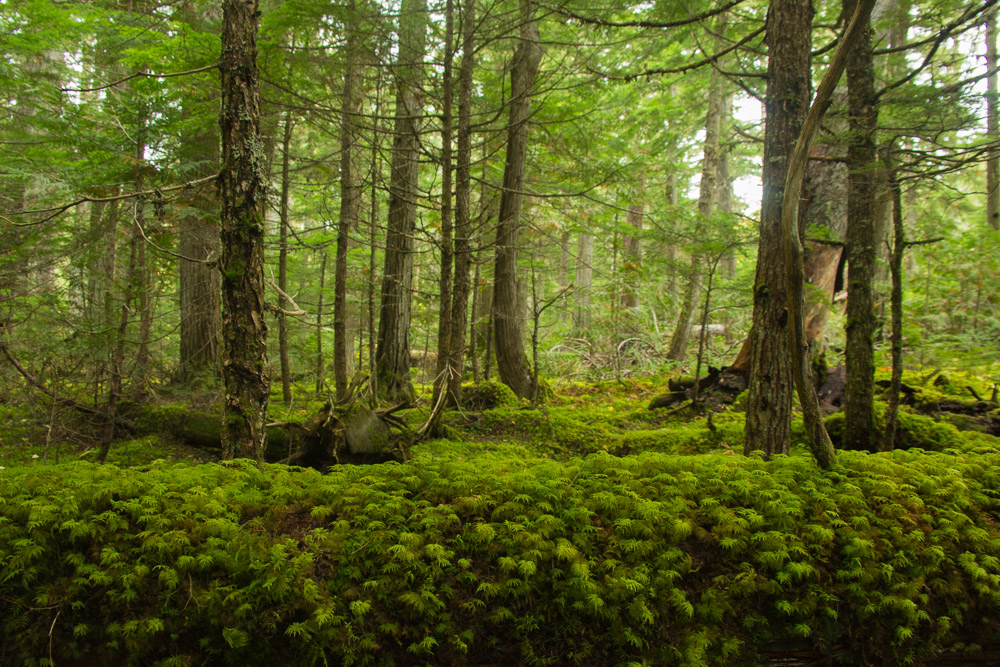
x: 657, y: 558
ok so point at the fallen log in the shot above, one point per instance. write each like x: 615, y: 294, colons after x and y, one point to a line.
x: 337, y: 433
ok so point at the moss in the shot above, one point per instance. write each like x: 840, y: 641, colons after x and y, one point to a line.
x: 508, y: 559
x: 488, y: 395
x: 914, y: 431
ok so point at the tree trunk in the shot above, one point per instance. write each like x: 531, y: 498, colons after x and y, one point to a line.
x: 859, y: 392
x: 707, y: 198
x: 392, y: 362
x: 632, y: 257
x: 320, y: 362
x: 584, y: 281
x: 769, y: 400
x: 896, y: 300
x: 283, y: 305
x: 512, y: 364
x: 817, y: 438
x: 463, y: 217
x: 992, y: 123
x: 242, y: 191
x: 350, y: 210
x: 445, y: 369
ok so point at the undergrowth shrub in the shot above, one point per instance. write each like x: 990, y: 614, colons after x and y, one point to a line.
x: 652, y: 559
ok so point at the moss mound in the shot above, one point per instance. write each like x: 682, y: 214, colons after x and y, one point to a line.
x: 488, y: 395
x: 656, y: 559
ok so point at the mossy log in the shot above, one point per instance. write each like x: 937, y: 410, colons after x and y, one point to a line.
x: 351, y: 433
x: 723, y: 382
x: 348, y: 433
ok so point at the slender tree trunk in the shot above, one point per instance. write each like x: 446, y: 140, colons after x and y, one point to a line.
x: 859, y: 394
x: 707, y: 199
x: 512, y: 364
x: 896, y: 303
x: 373, y: 229
x: 133, y: 286
x: 474, y: 327
x: 140, y: 380
x: 769, y: 400
x: 392, y: 363
x: 992, y: 123
x: 583, y: 282
x: 242, y: 191
x: 632, y: 256
x: 350, y: 211
x: 445, y: 369
x: 283, y: 305
x: 320, y: 362
x: 463, y: 217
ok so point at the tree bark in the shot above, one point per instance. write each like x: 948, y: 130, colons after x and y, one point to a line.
x: 198, y: 238
x: 584, y: 281
x: 463, y: 213
x: 242, y: 191
x: 859, y: 393
x: 707, y: 199
x: 817, y: 438
x: 283, y: 305
x: 769, y: 400
x: 632, y: 255
x: 992, y: 124
x: 445, y: 369
x: 392, y: 361
x: 512, y: 364
x: 350, y: 210
x: 896, y: 307
x: 320, y: 366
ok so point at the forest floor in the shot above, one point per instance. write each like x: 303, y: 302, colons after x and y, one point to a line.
x: 577, y: 418
x: 590, y: 528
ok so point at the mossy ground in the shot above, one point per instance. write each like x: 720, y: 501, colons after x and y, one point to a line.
x: 587, y: 529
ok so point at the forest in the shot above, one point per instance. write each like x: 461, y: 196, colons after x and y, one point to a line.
x: 496, y: 332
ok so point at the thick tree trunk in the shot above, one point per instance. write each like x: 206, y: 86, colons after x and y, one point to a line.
x: 350, y: 211
x: 817, y: 438
x: 512, y: 364
x: 992, y: 123
x: 242, y: 190
x: 859, y: 393
x: 463, y: 213
x: 769, y: 400
x: 198, y: 238
x: 283, y: 305
x: 392, y: 361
